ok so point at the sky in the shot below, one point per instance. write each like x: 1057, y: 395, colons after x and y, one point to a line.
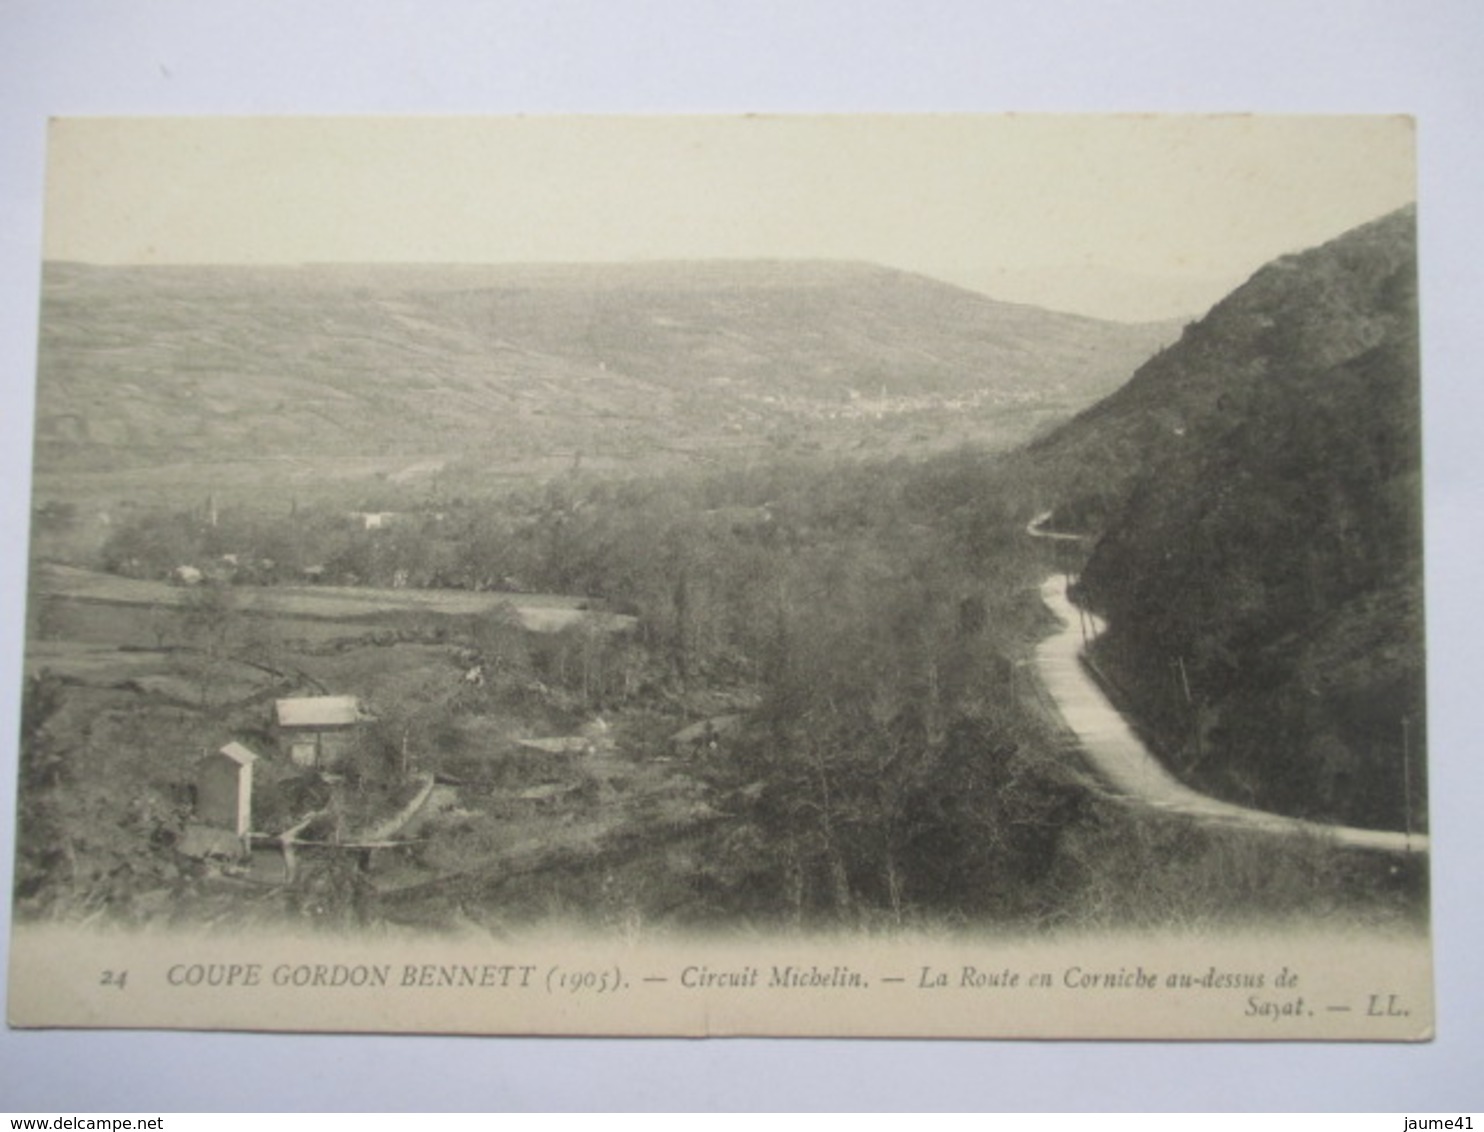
x: 1128, y: 217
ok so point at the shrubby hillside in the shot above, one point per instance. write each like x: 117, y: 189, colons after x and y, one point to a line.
x: 148, y: 366
x: 1256, y: 489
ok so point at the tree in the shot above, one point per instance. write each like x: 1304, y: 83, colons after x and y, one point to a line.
x: 500, y: 638
x: 211, y: 625
x: 40, y: 840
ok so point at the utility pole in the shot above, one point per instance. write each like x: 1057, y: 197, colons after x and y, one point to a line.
x: 1184, y: 680
x: 1407, y: 782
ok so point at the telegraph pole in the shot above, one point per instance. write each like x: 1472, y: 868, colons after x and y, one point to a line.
x: 1407, y: 782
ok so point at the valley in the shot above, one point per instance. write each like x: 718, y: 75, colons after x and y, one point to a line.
x: 681, y: 597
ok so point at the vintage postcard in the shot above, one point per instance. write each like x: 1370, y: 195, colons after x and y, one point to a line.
x: 859, y: 576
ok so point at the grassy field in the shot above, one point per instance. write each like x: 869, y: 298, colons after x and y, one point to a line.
x: 135, y: 700
x: 170, y: 674
x: 540, y: 613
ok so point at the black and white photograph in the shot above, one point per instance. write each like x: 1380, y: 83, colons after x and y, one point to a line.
x: 856, y: 575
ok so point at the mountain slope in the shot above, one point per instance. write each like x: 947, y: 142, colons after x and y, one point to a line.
x: 1301, y: 312
x: 150, y: 365
x: 1259, y: 499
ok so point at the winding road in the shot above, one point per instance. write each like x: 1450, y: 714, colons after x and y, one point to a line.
x: 1122, y: 760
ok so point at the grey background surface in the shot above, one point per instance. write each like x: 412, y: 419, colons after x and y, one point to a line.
x: 65, y: 57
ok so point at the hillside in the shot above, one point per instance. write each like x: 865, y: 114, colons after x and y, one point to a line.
x: 1257, y: 490
x: 151, y: 366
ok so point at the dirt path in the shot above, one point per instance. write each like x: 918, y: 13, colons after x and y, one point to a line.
x: 1118, y: 755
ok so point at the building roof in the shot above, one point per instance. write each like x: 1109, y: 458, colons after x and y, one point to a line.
x: 318, y: 711
x: 717, y: 725
x: 238, y: 754
x: 548, y: 791
x: 561, y: 745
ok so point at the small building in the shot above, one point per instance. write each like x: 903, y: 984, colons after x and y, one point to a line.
x: 318, y: 731
x: 224, y: 790
x: 375, y: 520
x: 704, y: 737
